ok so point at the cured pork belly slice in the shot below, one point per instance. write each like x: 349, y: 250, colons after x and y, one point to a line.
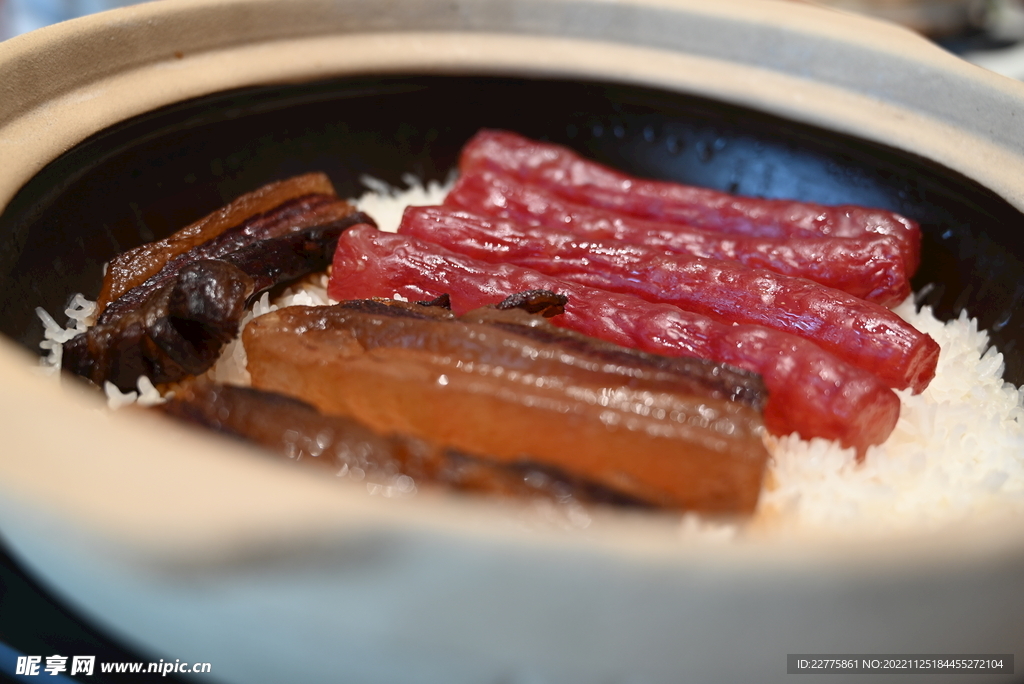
x: 810, y: 390
x: 298, y: 431
x: 180, y: 327
x: 133, y: 267
x: 869, y: 267
x: 482, y: 388
x: 562, y: 171
x: 293, y: 215
x: 863, y: 334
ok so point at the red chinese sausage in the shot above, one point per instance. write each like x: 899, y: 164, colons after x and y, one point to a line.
x: 863, y: 334
x: 869, y: 267
x: 565, y: 173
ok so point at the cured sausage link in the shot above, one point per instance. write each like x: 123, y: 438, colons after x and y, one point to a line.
x: 866, y: 335
x: 565, y: 173
x: 869, y: 267
x: 810, y: 390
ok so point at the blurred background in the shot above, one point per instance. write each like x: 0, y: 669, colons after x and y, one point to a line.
x: 987, y: 32
x: 22, y: 16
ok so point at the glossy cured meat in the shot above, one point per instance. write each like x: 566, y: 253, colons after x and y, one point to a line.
x: 485, y: 388
x: 135, y: 266
x: 290, y: 216
x: 180, y: 327
x: 562, y: 171
x: 810, y: 390
x: 866, y: 335
x: 869, y: 267
x: 395, y: 464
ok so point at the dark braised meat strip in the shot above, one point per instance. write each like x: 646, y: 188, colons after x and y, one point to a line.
x: 296, y: 430
x: 133, y: 267
x: 442, y: 300
x: 180, y: 327
x: 543, y: 302
x: 521, y: 391
x: 293, y: 215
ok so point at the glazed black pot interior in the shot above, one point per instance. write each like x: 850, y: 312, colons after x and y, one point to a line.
x: 147, y: 177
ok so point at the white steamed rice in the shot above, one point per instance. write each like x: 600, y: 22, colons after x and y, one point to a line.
x: 957, y: 452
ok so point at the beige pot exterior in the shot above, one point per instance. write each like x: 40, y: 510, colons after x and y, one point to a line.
x: 143, y: 511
